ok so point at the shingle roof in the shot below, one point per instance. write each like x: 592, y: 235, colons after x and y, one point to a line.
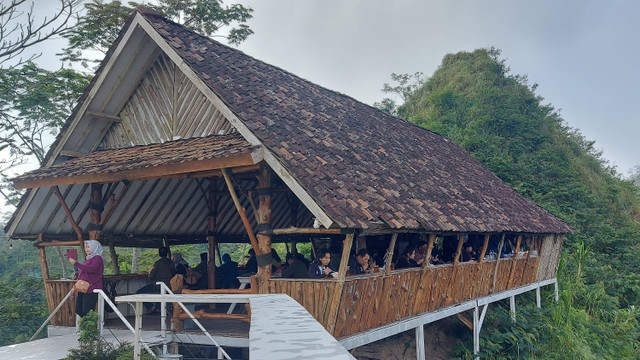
x: 145, y: 157
x: 359, y: 164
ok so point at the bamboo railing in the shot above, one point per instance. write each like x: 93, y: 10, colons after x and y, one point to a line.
x: 370, y: 301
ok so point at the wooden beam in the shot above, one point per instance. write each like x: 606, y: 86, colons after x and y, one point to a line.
x: 295, y: 230
x: 74, y: 225
x: 72, y: 154
x: 427, y: 260
x: 114, y: 259
x: 241, y: 212
x: 140, y: 173
x: 103, y: 116
x: 59, y: 243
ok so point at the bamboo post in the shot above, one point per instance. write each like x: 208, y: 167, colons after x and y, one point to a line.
x: 241, y: 212
x: 484, y: 248
x: 332, y: 317
x: 392, y: 246
x: 495, y: 271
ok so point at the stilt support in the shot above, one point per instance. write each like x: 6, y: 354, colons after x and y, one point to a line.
x: 478, y: 319
x: 538, y: 304
x: 512, y: 305
x: 555, y: 288
x: 420, y: 354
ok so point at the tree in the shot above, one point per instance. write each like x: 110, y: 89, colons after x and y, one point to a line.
x: 20, y: 31
x: 402, y: 86
x: 33, y: 105
x: 634, y: 175
x: 99, y: 28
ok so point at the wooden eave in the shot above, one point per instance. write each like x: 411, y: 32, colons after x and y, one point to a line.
x: 141, y: 173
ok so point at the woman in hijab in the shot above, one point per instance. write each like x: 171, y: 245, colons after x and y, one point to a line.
x: 178, y: 259
x: 91, y: 271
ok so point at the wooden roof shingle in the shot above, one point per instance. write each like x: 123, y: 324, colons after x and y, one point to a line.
x: 359, y: 164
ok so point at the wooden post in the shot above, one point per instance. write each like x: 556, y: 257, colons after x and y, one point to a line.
x: 294, y: 204
x: 95, y: 212
x: 264, y: 222
x: 514, y: 261
x: 114, y: 258
x: 427, y: 260
x: 456, y: 259
x: 212, y: 206
x: 495, y: 271
x: 392, y: 246
x: 332, y: 316
x: 484, y: 249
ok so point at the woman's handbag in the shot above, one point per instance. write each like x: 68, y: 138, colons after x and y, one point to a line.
x: 82, y: 286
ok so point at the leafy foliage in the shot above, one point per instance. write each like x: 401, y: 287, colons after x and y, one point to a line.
x: 497, y: 117
x: 103, y: 21
x: 22, y: 309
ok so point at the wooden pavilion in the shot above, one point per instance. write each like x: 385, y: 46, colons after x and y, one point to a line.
x: 180, y: 139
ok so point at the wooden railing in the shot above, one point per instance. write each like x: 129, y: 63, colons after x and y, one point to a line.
x: 370, y: 301
x: 57, y: 289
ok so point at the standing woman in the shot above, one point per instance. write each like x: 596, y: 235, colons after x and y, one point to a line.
x: 91, y: 271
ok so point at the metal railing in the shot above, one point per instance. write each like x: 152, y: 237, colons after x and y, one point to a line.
x: 164, y: 289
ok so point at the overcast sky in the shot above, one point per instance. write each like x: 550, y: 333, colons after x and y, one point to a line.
x: 584, y: 55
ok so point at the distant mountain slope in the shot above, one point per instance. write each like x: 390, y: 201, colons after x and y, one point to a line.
x: 496, y: 116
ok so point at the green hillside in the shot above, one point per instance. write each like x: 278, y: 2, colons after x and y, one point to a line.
x: 474, y: 100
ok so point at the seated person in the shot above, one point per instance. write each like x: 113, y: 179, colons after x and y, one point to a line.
x: 449, y: 245
x: 360, y: 263
x: 202, y: 269
x: 179, y: 280
x: 320, y: 269
x: 227, y: 273
x: 163, y: 270
x: 301, y: 257
x: 295, y: 269
x: 421, y: 252
x: 467, y: 252
x: 251, y: 267
x: 407, y: 258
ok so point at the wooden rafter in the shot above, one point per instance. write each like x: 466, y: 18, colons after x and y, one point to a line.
x: 75, y: 226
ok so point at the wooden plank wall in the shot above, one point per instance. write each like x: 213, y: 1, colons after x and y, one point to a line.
x: 165, y: 105
x: 55, y: 291
x: 375, y: 300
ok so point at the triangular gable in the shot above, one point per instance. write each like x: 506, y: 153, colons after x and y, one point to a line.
x: 165, y: 106
x: 108, y: 114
